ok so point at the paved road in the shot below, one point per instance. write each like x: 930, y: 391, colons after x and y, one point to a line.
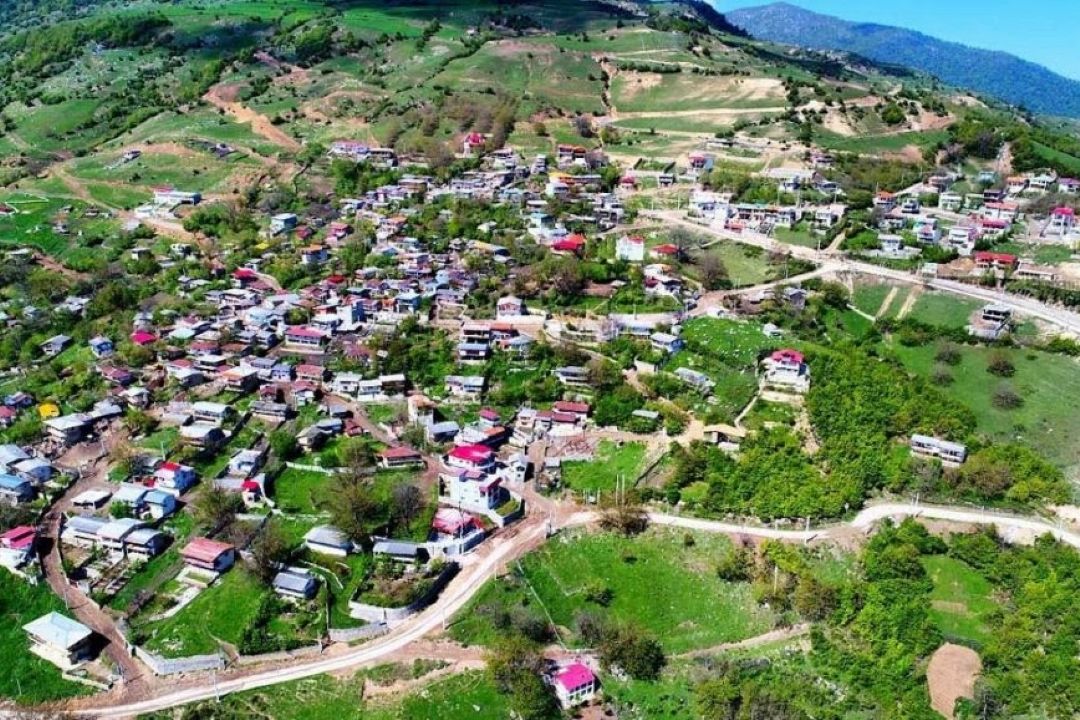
x: 832, y: 261
x: 527, y: 537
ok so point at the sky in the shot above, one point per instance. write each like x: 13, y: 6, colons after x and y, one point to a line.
x: 1042, y: 31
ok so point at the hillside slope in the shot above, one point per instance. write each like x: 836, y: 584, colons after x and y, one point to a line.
x: 998, y: 74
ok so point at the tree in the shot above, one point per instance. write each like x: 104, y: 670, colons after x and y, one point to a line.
x: 216, y: 508
x: 517, y: 670
x: 406, y: 504
x: 354, y: 509
x: 714, y: 274
x: 626, y: 519
x: 735, y: 566
x: 139, y: 422
x: 269, y: 551
x: 628, y: 649
x: 283, y: 444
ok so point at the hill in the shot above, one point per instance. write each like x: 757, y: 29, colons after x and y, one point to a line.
x: 998, y: 74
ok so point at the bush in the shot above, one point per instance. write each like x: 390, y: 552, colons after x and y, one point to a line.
x: 949, y: 354
x: 941, y: 376
x: 1000, y: 365
x: 1005, y: 398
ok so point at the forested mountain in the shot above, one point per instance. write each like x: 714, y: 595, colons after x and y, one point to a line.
x: 999, y: 74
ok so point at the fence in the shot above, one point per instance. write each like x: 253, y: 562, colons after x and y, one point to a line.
x: 364, y: 632
x: 300, y: 652
x: 388, y: 615
x: 174, y: 666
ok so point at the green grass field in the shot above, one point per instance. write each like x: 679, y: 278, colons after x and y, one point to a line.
x: 737, y: 344
x: 1047, y: 420
x: 467, y: 696
x: 222, y: 612
x: 872, y: 144
x: 26, y: 677
x: 869, y: 298
x: 943, y: 310
x: 611, y: 463
x: 657, y: 583
x: 961, y: 599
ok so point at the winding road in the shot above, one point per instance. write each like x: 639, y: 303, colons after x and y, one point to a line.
x: 504, y: 549
x: 831, y: 260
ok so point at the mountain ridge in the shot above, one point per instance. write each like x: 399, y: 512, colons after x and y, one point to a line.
x: 991, y: 72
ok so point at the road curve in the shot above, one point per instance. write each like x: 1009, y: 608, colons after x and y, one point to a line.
x: 1065, y: 319
x: 459, y: 594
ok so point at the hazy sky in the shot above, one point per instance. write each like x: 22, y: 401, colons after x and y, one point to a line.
x: 1043, y: 31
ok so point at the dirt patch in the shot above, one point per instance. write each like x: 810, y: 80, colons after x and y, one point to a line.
x: 224, y: 97
x: 951, y: 675
x: 636, y: 82
x: 514, y: 48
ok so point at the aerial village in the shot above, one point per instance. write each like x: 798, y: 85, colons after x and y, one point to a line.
x: 262, y: 403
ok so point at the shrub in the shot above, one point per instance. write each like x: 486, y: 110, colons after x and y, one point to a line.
x: 949, y: 354
x: 1005, y: 398
x: 1000, y: 365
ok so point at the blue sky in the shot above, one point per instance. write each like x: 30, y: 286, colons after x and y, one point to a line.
x: 1043, y: 31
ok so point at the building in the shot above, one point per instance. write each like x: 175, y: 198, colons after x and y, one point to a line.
x: 17, y: 546
x: 394, y: 458
x: 327, y: 540
x: 1062, y: 221
x: 174, y: 478
x: 60, y: 640
x: 787, y: 369
x: 950, y: 453
x: 295, y: 584
x: 479, y: 458
x: 630, y: 248
x: 15, y: 490
x: 574, y: 685
x: 206, y: 554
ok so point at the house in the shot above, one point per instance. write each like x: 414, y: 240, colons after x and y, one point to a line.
x: 465, y: 386
x: 471, y: 353
x: 174, y: 478
x: 950, y: 453
x: 572, y: 376
x: 401, y: 551
x: 328, y: 540
x: 282, y: 222
x: 101, y: 347
x: 206, y: 554
x: 17, y: 546
x: 171, y: 197
x: 295, y: 584
x: 246, y: 463
x: 574, y: 685
x: 400, y: 457
x: 68, y: 429
x: 727, y: 437
x: 241, y: 378
x: 471, y: 457
x: 788, y: 370
x: 474, y: 142
x: 1062, y: 221
x: 60, y: 640
x: 203, y: 435
x: 630, y: 248
x: 986, y: 260
x: 509, y: 307
x: 885, y: 201
x: 950, y: 201
x: 695, y: 379
x: 55, y: 345
x: 300, y: 337
x: 211, y: 412
x: 314, y: 255
x: 473, y: 489
x: 15, y: 490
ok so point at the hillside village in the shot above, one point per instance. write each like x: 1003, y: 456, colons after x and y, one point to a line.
x: 440, y: 408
